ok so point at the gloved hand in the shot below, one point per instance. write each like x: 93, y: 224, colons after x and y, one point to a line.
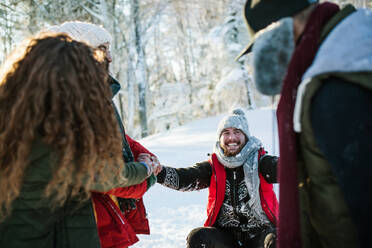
x: 146, y: 159
x: 157, y: 167
x: 151, y: 161
x: 269, y: 240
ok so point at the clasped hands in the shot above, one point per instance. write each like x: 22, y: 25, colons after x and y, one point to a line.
x: 151, y: 161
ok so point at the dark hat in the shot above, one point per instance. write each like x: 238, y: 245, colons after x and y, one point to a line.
x: 258, y: 14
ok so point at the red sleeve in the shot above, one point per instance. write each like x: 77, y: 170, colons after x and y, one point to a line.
x: 136, y: 147
x: 134, y: 191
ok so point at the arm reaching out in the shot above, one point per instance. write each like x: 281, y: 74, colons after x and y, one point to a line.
x: 186, y: 179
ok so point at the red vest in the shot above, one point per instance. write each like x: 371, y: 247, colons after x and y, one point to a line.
x: 269, y: 202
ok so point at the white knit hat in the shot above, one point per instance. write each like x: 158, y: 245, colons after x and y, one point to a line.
x: 89, y: 33
x: 236, y: 119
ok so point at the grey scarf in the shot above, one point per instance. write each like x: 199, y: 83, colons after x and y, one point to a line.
x: 248, y: 157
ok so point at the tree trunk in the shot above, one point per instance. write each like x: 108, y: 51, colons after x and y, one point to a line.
x: 246, y: 77
x: 32, y: 14
x: 140, y: 69
x: 130, y: 89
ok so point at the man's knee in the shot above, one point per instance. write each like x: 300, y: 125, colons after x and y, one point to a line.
x: 199, y: 237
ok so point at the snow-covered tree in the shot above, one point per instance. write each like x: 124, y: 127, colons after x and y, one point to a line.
x: 175, y: 59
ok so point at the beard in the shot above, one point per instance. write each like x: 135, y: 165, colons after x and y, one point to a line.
x: 272, y: 52
x: 228, y: 153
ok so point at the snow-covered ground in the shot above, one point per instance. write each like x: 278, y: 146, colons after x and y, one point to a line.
x: 173, y: 214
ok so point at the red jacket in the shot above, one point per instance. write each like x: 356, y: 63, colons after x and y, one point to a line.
x: 115, y: 229
x: 216, y: 195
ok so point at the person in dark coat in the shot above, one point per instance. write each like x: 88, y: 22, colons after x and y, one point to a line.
x: 319, y: 58
x: 242, y: 206
x: 59, y: 142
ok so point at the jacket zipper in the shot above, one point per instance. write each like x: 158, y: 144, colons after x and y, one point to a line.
x: 233, y: 188
x: 109, y: 201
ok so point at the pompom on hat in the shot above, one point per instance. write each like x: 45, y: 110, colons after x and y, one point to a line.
x: 236, y: 119
x: 89, y: 33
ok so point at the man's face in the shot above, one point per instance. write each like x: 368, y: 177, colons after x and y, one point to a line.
x: 105, y: 48
x: 232, y: 140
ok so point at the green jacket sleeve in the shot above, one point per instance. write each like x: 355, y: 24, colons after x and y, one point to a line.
x: 133, y: 173
x: 42, y: 162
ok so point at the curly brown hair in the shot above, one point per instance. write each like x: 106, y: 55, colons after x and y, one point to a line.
x: 58, y: 91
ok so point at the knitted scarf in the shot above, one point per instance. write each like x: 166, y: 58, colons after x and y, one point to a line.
x: 248, y: 157
x: 305, y: 51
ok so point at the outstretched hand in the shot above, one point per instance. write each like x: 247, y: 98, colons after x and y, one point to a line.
x: 151, y: 161
x: 157, y: 165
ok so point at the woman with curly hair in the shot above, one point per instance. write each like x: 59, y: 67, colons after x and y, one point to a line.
x: 121, y: 215
x: 59, y: 141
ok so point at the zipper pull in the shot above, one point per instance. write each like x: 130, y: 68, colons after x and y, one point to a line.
x: 234, y: 175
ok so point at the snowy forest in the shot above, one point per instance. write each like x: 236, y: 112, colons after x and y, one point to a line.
x: 174, y: 59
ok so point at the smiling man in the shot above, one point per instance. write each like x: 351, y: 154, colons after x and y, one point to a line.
x: 242, y: 206
x: 232, y: 141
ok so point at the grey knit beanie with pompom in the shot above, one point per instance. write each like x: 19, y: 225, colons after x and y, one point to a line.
x: 236, y: 119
